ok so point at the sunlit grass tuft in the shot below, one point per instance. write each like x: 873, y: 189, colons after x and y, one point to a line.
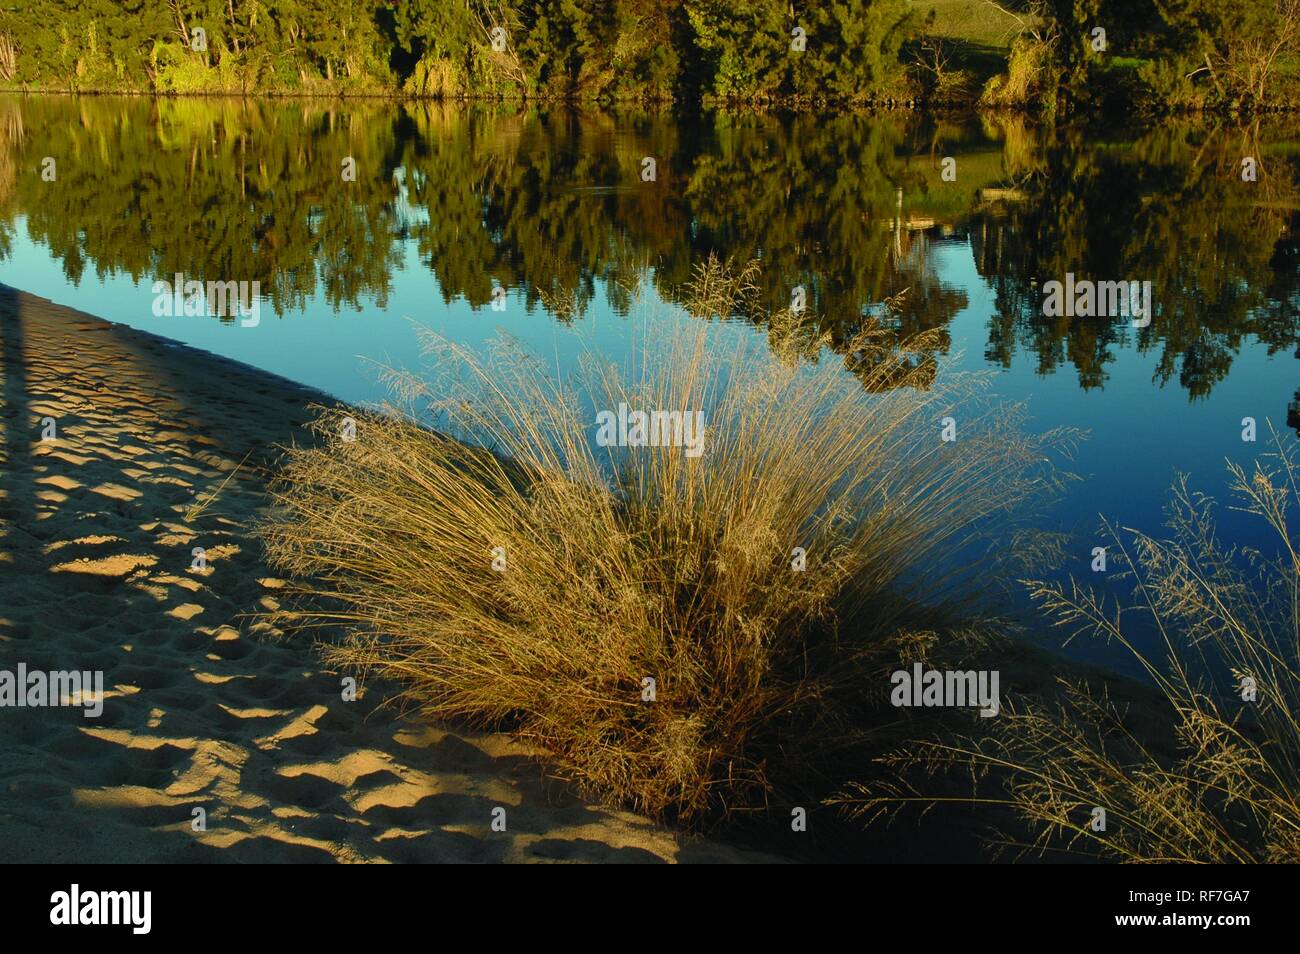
x: 626, y: 564
x: 1211, y: 775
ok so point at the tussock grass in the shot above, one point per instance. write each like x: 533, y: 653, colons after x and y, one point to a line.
x: 1028, y: 69
x: 630, y: 563
x: 1213, y: 778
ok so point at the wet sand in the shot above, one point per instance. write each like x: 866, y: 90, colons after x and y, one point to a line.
x: 206, y: 705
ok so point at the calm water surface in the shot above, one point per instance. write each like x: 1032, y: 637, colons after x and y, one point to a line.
x: 449, y: 204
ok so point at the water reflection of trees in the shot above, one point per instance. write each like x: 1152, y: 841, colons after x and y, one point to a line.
x: 553, y: 205
x: 1169, y: 207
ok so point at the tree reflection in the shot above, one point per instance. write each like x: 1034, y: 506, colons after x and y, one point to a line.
x: 554, y: 205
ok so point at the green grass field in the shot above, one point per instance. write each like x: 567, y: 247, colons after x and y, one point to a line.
x: 979, y: 35
x: 975, y: 22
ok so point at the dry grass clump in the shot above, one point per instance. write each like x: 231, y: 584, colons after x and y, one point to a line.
x: 619, y: 565
x: 1216, y: 777
x: 720, y: 288
x: 1024, y: 82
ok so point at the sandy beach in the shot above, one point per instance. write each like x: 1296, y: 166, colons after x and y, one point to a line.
x: 207, y: 706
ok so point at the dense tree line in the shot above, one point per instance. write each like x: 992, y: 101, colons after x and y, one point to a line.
x: 1176, y: 52
x: 1162, y: 54
x: 653, y: 49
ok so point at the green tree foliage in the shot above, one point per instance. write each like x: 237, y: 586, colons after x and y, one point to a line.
x: 1234, y: 52
x: 1187, y: 52
x: 246, y: 44
x: 586, y: 49
x: 854, y: 45
x: 1164, y: 53
x: 746, y: 43
x: 842, y: 49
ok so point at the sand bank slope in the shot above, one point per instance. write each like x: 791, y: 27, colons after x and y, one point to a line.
x: 205, y: 708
